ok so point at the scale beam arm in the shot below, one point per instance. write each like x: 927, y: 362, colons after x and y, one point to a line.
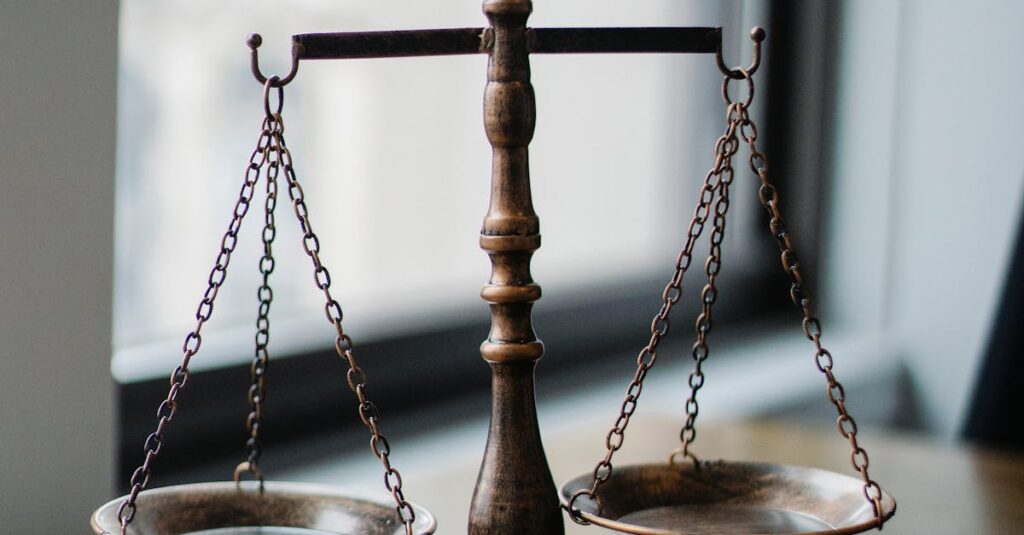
x: 395, y: 44
x: 461, y: 41
x: 352, y: 45
x: 623, y: 40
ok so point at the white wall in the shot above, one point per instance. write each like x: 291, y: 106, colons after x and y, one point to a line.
x: 929, y: 180
x: 58, y: 76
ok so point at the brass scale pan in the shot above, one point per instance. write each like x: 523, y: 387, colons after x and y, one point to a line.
x: 728, y: 497
x: 650, y: 499
x: 222, y: 508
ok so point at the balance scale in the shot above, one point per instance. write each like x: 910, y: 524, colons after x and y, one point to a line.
x: 515, y: 493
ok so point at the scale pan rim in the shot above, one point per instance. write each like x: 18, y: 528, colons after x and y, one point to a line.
x: 824, y: 497
x: 319, y: 502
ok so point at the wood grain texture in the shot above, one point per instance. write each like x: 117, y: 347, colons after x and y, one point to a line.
x: 515, y: 492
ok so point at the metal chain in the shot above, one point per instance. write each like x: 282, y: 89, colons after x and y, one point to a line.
x: 727, y: 147
x: 769, y: 198
x: 261, y: 355
x: 179, y: 377
x: 724, y: 149
x: 356, y: 377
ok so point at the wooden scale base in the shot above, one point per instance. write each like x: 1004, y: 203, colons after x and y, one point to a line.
x: 514, y: 494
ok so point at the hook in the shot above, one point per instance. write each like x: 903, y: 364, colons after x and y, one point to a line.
x: 757, y: 35
x: 254, y: 41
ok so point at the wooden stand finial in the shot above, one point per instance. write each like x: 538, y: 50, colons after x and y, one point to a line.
x: 515, y: 493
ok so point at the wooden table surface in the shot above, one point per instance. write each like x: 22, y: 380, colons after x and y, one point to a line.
x: 939, y: 488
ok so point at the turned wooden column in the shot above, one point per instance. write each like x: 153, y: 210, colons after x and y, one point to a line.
x: 515, y: 493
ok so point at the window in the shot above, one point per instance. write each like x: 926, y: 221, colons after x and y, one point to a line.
x: 396, y: 171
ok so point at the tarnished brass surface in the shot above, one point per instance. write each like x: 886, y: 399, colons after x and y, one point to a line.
x: 451, y: 41
x: 515, y: 493
x: 214, y: 506
x: 728, y: 497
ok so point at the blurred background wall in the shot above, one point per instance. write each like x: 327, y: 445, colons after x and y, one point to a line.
x: 927, y: 186
x: 58, y: 88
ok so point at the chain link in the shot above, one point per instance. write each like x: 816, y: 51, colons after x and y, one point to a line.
x: 356, y: 377
x: 179, y: 377
x: 271, y: 141
x: 715, y: 186
x: 769, y: 198
x: 265, y: 295
x: 725, y: 148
